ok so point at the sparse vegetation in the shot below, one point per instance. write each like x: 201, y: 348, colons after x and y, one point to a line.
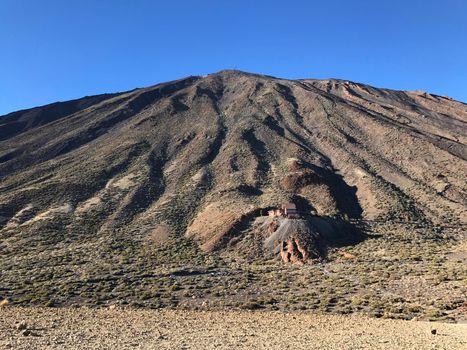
x: 150, y: 199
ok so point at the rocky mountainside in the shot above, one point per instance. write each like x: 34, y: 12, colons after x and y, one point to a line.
x: 197, y: 160
x: 195, y: 156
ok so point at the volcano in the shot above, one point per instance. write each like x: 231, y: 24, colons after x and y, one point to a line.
x: 199, y: 158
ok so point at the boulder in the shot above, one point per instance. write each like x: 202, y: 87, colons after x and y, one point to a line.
x: 295, y: 241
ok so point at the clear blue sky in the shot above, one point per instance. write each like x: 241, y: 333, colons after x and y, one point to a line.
x: 55, y: 50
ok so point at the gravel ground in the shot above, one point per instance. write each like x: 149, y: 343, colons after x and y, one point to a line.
x: 81, y: 328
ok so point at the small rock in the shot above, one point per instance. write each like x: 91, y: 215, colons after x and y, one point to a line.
x: 22, y: 325
x: 159, y: 335
x: 26, y: 332
x: 433, y: 331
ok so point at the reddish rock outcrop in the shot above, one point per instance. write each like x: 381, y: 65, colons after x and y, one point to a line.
x: 293, y: 252
x: 272, y: 226
x: 294, y: 240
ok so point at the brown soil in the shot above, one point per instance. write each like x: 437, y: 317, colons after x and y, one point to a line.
x: 131, y: 329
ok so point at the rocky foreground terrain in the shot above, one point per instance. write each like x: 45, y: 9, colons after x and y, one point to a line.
x: 158, y: 198
x: 38, y: 328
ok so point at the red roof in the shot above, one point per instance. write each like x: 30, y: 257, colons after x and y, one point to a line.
x: 289, y: 206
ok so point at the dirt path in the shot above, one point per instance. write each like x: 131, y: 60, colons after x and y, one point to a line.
x: 151, y: 329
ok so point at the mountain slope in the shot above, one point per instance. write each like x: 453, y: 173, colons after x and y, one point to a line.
x: 200, y: 153
x: 116, y: 198
x: 17, y: 122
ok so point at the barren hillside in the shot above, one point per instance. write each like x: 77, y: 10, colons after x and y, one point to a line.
x: 112, y: 189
